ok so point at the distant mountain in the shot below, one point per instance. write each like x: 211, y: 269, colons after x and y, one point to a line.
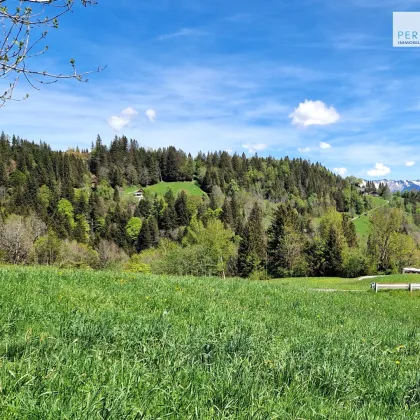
x: 395, y: 186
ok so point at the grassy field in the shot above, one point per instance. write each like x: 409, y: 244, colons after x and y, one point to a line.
x: 191, y: 188
x: 362, y: 223
x: 95, y: 345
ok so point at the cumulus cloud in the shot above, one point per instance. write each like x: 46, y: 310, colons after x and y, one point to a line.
x: 340, y: 171
x: 379, y: 170
x: 118, y: 122
x: 410, y: 163
x: 314, y: 113
x: 151, y: 115
x: 324, y: 145
x: 303, y: 149
x: 253, y: 148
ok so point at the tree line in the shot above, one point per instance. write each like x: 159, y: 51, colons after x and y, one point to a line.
x: 258, y: 217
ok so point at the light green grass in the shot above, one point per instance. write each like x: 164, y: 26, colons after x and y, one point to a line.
x: 363, y: 227
x: 378, y: 201
x: 95, y: 345
x: 131, y: 190
x: 191, y: 188
x: 362, y: 223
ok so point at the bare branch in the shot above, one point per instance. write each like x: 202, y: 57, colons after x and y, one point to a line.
x: 24, y: 27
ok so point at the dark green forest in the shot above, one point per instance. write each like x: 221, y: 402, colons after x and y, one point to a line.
x: 258, y: 217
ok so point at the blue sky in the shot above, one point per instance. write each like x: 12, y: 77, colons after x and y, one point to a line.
x: 312, y: 78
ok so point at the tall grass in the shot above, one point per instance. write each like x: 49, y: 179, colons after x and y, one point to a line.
x: 94, y: 345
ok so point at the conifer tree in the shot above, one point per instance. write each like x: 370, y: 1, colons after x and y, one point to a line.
x: 227, y: 216
x: 333, y: 253
x: 181, y: 209
x: 144, y: 241
x: 252, y: 248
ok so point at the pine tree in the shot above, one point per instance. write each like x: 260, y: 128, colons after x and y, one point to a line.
x: 333, y: 253
x: 349, y: 230
x: 144, y: 208
x: 181, y: 209
x: 227, y: 216
x: 145, y: 240
x: 286, y: 222
x: 154, y: 232
x: 252, y: 248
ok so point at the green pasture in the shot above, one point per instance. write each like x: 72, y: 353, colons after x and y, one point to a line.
x: 96, y: 345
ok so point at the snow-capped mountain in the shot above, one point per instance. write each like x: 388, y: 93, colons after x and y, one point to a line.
x: 398, y: 185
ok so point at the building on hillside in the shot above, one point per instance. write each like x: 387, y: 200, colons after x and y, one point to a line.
x: 139, y: 194
x: 410, y: 270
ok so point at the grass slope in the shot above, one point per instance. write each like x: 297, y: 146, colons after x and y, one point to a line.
x: 83, y: 344
x: 191, y: 188
x: 362, y: 223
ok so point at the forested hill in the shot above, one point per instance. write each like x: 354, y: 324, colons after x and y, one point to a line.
x: 26, y: 166
x: 254, y: 216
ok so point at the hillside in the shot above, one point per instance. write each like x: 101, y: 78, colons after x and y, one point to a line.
x: 192, y: 188
x: 362, y: 222
x: 95, y: 345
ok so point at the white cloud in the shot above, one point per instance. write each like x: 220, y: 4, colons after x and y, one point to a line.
x: 314, y: 113
x: 253, y: 148
x: 410, y: 163
x: 181, y: 33
x: 324, y: 145
x: 304, y: 149
x: 151, y: 115
x: 129, y: 112
x: 341, y: 171
x: 379, y: 170
x: 118, y: 122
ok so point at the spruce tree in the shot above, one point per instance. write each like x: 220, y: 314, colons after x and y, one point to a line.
x: 227, y: 216
x: 144, y: 240
x: 333, y: 252
x: 286, y: 220
x: 252, y: 248
x: 181, y: 209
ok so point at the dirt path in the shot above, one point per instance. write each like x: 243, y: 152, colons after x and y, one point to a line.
x: 369, y: 277
x: 377, y: 207
x: 336, y: 290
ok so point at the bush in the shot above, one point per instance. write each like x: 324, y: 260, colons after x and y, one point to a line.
x: 77, y: 255
x: 17, y: 236
x: 110, y: 255
x: 47, y: 248
x: 135, y: 265
x: 354, y: 263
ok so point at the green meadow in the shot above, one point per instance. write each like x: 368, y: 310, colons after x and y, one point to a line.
x: 362, y: 223
x: 191, y: 188
x: 96, y: 345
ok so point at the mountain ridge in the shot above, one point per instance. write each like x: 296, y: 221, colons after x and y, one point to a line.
x: 397, y: 185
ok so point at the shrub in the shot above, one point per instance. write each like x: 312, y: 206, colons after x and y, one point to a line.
x: 354, y: 263
x: 110, y: 255
x: 135, y: 265
x: 77, y: 255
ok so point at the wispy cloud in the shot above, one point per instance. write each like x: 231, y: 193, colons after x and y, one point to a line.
x: 341, y: 171
x: 118, y: 122
x: 184, y: 32
x: 410, y: 163
x: 304, y: 149
x: 324, y: 145
x: 253, y: 148
x: 151, y: 115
